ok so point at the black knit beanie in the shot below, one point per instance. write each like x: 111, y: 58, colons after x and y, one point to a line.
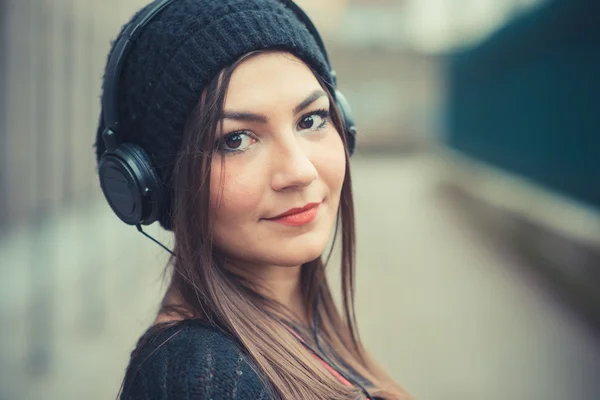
x: 179, y: 52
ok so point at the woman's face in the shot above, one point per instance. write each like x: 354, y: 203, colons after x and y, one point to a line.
x: 278, y: 151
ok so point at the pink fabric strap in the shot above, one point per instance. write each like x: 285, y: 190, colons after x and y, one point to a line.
x: 327, y: 366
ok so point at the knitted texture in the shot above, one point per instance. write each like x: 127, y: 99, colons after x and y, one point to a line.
x: 191, y: 361
x: 179, y: 52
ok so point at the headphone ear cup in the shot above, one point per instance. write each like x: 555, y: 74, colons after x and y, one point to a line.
x: 348, y: 119
x: 130, y: 184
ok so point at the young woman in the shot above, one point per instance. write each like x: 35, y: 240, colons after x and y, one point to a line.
x: 221, y: 121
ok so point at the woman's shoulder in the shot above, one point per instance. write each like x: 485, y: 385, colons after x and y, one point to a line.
x: 191, y: 360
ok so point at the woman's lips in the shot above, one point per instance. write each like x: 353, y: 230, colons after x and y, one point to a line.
x: 301, y: 217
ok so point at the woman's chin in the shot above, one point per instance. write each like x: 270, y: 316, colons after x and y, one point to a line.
x: 298, y: 254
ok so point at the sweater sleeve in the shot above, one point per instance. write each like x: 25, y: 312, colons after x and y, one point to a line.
x: 191, y: 362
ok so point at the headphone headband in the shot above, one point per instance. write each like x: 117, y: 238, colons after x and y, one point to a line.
x: 116, y: 63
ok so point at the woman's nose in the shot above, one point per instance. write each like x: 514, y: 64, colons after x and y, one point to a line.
x: 292, y: 166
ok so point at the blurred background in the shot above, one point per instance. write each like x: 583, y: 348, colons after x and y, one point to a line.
x: 477, y: 183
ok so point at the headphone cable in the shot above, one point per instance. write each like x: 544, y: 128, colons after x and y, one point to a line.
x: 139, y: 228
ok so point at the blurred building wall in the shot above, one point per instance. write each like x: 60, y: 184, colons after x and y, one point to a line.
x: 395, y: 95
x: 74, y: 283
x: 526, y: 99
x: 523, y: 120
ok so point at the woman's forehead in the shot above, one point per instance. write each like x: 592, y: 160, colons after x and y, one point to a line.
x: 269, y: 78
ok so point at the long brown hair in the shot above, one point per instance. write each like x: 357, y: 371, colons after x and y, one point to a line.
x: 210, y: 292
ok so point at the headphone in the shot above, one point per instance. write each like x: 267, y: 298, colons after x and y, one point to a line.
x: 129, y: 182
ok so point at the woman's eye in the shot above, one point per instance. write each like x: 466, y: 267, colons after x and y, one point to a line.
x: 314, y: 121
x: 235, y: 142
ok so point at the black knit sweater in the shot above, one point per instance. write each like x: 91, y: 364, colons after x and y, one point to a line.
x: 193, y: 361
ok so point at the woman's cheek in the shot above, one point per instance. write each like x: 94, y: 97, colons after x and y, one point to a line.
x: 333, y: 166
x: 234, y: 194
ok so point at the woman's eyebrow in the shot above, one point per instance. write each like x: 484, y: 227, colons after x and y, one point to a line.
x: 263, y: 119
x: 245, y: 116
x: 314, y: 96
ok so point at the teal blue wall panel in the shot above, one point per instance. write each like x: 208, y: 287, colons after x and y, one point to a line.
x: 527, y: 100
